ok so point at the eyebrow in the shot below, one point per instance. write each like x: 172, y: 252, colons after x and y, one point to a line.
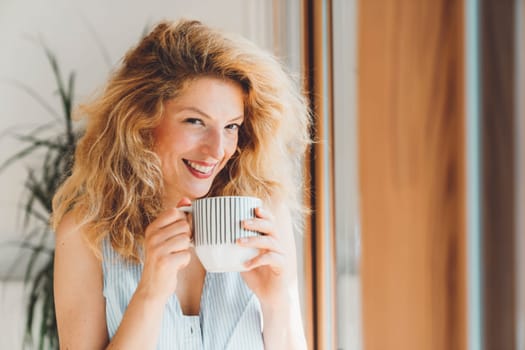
x: 198, y: 111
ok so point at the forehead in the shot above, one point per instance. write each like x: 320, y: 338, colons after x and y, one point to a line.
x: 214, y: 96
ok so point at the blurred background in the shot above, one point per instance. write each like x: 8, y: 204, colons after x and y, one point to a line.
x: 417, y: 235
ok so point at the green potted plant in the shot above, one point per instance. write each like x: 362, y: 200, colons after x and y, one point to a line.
x: 56, y: 152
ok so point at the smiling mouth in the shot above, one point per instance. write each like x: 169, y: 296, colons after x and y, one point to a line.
x: 199, y: 168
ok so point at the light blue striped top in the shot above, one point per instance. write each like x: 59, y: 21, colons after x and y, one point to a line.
x: 230, y: 314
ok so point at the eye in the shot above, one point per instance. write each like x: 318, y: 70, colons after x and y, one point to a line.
x: 233, y: 127
x: 194, y: 121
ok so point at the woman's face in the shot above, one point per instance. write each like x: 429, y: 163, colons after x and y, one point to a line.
x: 197, y: 135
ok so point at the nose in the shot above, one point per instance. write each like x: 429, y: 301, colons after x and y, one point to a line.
x: 214, y: 144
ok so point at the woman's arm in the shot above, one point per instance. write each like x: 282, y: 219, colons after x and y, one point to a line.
x: 273, y: 278
x: 79, y: 303
x: 283, y: 325
x: 79, y: 300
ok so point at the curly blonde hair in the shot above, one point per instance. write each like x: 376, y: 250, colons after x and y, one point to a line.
x: 116, y: 183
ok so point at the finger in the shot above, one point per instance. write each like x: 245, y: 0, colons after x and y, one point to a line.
x: 165, y: 218
x: 177, y: 260
x: 264, y: 214
x: 176, y: 244
x: 184, y: 206
x: 184, y: 202
x: 272, y: 260
x: 264, y: 226
x: 261, y: 242
x: 174, y: 229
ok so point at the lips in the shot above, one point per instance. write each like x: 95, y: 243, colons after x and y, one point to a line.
x: 200, y: 169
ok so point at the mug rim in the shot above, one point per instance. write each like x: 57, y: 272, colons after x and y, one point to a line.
x: 226, y: 197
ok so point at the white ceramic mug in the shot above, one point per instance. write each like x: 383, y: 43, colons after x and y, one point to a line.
x: 217, y: 224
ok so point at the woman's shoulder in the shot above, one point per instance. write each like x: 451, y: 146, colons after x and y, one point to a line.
x: 69, y: 229
x: 77, y: 287
x: 71, y: 235
x: 67, y: 224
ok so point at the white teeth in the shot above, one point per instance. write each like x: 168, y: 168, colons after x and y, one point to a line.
x: 200, y: 168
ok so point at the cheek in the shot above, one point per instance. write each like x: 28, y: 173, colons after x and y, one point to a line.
x: 162, y: 146
x: 174, y: 141
x: 161, y: 140
x: 231, y: 147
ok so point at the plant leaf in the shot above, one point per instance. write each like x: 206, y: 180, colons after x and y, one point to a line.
x: 35, y: 96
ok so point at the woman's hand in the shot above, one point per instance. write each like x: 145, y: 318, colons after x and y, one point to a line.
x: 166, y: 249
x: 272, y: 274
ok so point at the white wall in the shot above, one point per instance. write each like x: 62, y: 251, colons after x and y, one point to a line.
x: 67, y: 27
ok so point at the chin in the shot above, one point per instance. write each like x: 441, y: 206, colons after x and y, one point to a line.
x: 198, y: 193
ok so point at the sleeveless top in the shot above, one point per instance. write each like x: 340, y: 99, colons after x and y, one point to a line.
x: 230, y: 314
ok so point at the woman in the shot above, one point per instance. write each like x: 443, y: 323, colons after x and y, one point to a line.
x: 190, y: 113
